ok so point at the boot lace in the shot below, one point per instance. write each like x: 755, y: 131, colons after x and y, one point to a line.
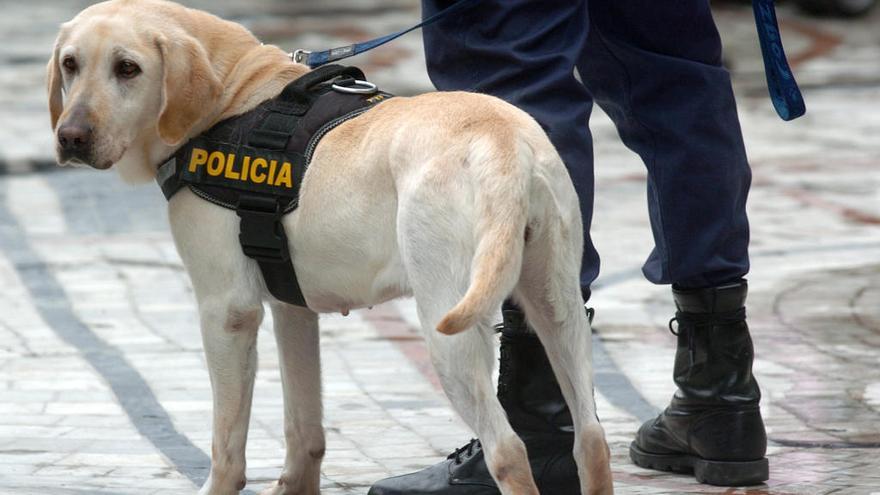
x: 504, y: 366
x: 463, y: 453
x: 691, y: 321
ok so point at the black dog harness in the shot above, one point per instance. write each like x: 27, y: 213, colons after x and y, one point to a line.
x: 254, y: 163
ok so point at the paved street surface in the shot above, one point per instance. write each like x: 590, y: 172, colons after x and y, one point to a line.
x: 103, y: 385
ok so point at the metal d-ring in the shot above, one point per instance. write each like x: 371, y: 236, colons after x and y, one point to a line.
x: 357, y: 87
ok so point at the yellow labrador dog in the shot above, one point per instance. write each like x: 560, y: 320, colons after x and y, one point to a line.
x: 457, y: 199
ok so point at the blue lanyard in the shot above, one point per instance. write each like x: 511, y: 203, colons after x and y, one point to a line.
x: 784, y: 91
x: 317, y: 59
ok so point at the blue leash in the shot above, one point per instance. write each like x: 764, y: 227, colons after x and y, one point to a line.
x: 317, y: 59
x: 784, y: 91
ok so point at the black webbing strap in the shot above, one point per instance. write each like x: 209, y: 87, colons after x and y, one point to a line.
x: 167, y: 178
x: 294, y: 101
x: 274, y: 132
x: 262, y: 235
x: 263, y: 239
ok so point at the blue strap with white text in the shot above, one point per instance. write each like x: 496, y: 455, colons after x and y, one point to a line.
x: 316, y: 59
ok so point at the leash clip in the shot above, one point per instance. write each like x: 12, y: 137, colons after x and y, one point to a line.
x: 301, y: 56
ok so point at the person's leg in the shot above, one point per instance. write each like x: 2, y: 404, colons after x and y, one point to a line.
x: 656, y: 70
x: 524, y: 52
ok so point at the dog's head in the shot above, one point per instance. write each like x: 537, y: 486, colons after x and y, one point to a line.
x: 126, y: 75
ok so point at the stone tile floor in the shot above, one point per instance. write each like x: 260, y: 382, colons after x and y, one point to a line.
x: 103, y: 388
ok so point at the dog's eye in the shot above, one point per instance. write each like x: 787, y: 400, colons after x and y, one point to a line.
x: 69, y: 64
x: 127, y: 69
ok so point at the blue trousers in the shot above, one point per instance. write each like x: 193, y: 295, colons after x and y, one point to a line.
x: 655, y: 68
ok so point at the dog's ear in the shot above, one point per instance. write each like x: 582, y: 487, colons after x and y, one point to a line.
x: 54, y: 82
x: 189, y: 87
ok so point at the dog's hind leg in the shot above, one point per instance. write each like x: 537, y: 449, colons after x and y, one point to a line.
x: 568, y: 346
x: 549, y: 293
x: 296, y: 332
x: 464, y: 363
x: 438, y: 261
x: 229, y: 334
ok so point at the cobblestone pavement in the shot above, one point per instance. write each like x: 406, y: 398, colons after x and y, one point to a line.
x: 103, y: 386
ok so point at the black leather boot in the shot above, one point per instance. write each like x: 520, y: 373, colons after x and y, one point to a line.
x: 537, y: 411
x: 713, y: 426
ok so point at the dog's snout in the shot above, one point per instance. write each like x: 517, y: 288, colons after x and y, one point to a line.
x: 74, y: 138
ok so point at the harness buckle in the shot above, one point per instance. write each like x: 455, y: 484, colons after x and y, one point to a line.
x: 261, y: 234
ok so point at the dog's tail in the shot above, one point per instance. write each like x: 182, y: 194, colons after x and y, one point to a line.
x: 502, y: 203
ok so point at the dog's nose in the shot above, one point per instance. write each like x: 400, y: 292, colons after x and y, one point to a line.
x: 74, y: 138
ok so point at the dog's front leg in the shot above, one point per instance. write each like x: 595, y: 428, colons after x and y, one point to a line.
x: 296, y: 331
x: 229, y: 334
x: 229, y: 292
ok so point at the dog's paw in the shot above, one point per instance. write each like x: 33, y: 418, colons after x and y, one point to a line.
x: 218, y: 485
x: 282, y: 488
x: 214, y: 489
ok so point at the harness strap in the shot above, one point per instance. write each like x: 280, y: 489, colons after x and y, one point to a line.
x: 295, y: 100
x: 263, y: 239
x: 274, y: 132
x: 167, y: 178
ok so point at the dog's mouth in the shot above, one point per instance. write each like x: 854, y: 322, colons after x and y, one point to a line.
x: 81, y: 160
x: 80, y: 163
x: 72, y: 162
x: 101, y: 166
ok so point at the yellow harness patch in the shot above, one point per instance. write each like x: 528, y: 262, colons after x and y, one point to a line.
x: 253, y: 169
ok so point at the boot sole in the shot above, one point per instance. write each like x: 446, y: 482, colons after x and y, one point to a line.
x: 718, y: 473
